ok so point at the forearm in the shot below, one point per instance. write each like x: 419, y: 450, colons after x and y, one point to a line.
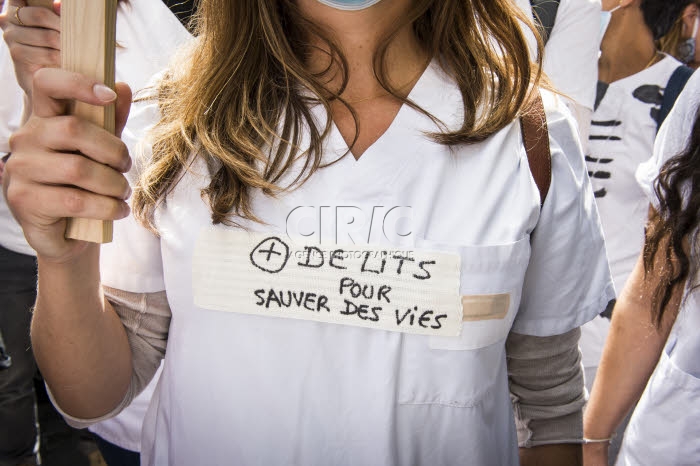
x: 631, y: 352
x: 79, y: 342
x: 630, y: 355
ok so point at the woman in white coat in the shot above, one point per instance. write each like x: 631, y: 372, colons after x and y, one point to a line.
x: 656, y: 319
x: 352, y: 262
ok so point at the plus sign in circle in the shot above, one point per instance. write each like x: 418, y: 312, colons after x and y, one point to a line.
x: 270, y: 255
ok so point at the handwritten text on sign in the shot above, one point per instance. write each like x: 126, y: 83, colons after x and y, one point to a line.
x: 403, y: 291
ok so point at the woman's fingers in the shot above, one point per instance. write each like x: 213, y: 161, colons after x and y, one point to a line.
x: 33, y: 16
x: 45, y: 151
x: 33, y: 36
x: 28, y: 59
x: 50, y: 129
x: 64, y: 166
x: 73, y: 134
x: 41, y: 200
x: 53, y: 89
x: 43, y: 204
x: 71, y: 170
x: 42, y: 211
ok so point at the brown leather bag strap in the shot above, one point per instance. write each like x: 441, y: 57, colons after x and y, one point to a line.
x: 533, y: 124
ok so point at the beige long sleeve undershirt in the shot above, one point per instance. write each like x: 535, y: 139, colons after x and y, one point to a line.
x: 545, y: 376
x: 146, y: 318
x: 545, y: 373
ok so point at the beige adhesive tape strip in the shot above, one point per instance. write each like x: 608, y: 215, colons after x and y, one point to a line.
x: 268, y: 275
x: 485, y: 307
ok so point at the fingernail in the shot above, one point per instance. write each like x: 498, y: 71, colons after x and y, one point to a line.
x: 104, y: 93
x: 128, y: 192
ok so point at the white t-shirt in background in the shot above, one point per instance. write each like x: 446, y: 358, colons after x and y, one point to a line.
x: 571, y: 54
x: 622, y: 136
x: 623, y: 130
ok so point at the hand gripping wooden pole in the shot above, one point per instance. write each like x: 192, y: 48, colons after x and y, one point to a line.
x: 88, y: 38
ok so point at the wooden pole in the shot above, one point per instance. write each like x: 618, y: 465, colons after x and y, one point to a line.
x: 88, y: 39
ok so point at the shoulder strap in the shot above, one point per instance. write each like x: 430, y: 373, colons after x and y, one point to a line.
x: 533, y: 125
x: 675, y: 85
x: 545, y: 13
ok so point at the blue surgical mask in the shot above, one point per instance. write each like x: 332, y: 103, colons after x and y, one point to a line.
x: 605, y: 18
x: 686, y: 49
x: 349, y: 5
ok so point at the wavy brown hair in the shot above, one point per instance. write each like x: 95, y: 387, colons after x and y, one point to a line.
x: 242, y: 98
x: 672, y: 231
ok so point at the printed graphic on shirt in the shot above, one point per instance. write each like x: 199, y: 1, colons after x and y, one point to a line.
x: 653, y: 95
x: 622, y: 134
x: 405, y: 291
x: 612, y: 130
x: 600, y: 91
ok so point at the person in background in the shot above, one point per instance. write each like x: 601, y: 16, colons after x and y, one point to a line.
x: 148, y: 34
x: 633, y: 80
x: 321, y: 103
x: 654, y: 340
x: 681, y: 40
x: 570, y: 58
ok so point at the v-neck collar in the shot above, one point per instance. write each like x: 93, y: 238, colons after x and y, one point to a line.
x: 420, y: 94
x: 386, y: 159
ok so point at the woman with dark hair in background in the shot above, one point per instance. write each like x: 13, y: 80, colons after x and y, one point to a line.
x: 637, y: 85
x: 658, y: 314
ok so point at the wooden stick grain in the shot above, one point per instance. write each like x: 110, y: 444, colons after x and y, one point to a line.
x: 88, y: 40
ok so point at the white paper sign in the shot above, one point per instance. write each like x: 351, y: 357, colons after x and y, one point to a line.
x: 397, y: 290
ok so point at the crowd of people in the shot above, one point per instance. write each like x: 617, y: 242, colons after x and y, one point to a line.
x: 535, y: 301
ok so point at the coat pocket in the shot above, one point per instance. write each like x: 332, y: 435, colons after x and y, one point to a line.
x: 491, y: 280
x: 459, y: 371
